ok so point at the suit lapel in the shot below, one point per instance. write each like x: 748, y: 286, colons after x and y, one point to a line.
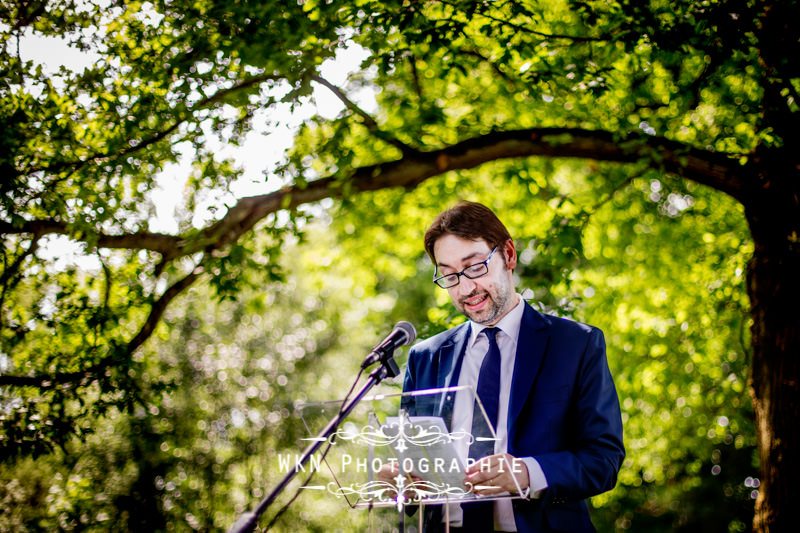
x: 451, y: 354
x: 532, y: 343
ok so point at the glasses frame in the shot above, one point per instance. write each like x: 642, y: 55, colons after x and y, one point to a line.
x: 439, y: 280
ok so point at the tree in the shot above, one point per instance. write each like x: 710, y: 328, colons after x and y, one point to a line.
x: 203, y: 449
x: 702, y: 90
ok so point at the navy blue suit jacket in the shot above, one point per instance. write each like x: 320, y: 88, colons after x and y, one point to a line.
x: 563, y: 411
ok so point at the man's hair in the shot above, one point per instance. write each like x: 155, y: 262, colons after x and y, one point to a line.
x: 468, y: 220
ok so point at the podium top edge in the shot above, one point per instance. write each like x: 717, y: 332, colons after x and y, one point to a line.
x: 380, y: 397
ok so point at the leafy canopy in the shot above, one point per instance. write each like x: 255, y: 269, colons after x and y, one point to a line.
x: 707, y: 90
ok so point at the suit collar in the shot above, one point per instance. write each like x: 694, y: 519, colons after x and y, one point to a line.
x: 534, y: 336
x: 531, y: 343
x: 450, y: 356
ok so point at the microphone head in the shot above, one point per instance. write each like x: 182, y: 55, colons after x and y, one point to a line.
x: 408, y: 329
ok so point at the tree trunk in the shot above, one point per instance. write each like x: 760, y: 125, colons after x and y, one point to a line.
x: 774, y: 290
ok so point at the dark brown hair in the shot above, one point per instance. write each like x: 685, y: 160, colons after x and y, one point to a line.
x: 468, y: 220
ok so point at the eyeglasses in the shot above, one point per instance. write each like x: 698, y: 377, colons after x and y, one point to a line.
x: 471, y: 272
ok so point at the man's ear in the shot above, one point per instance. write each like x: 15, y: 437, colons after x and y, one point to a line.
x: 510, y: 254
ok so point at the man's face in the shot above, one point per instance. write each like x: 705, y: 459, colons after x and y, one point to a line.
x: 486, y: 299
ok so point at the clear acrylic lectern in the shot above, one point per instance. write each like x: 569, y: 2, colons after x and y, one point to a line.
x: 401, y: 450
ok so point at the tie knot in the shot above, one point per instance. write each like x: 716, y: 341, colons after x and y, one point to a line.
x: 491, y: 334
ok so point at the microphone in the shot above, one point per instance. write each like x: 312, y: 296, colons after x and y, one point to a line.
x: 402, y: 334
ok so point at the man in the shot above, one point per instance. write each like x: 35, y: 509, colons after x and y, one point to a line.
x: 556, y: 412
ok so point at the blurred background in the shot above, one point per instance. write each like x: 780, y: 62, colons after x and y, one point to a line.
x: 213, y: 210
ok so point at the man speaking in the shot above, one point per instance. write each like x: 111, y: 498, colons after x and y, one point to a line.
x: 544, y: 383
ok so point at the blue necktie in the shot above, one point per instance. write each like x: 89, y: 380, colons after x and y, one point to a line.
x: 478, y: 517
x: 489, y: 395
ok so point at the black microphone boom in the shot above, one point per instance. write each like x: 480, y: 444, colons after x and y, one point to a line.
x: 402, y: 334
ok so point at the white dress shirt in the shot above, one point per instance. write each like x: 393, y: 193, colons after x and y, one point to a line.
x: 477, y: 347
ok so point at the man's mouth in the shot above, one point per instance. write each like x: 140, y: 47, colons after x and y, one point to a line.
x: 475, y: 301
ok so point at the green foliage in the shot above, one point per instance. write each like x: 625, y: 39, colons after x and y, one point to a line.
x: 137, y: 350
x: 679, y: 348
x: 206, y: 449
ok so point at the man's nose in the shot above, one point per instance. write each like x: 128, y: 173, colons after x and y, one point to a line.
x: 466, y: 286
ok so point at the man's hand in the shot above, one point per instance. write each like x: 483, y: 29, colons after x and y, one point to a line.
x: 389, y: 473
x: 495, y: 474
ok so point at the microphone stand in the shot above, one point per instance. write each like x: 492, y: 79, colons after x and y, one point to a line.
x: 388, y: 368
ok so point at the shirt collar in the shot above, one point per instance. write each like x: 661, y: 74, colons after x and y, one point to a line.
x: 509, y: 324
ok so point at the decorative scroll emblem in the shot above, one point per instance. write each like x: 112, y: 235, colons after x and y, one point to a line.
x: 399, y: 436
x: 399, y: 492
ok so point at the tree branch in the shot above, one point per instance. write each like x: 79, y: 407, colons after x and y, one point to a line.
x: 86, y: 375
x: 719, y: 171
x: 494, y: 66
x: 159, y: 306
x: 168, y: 245
x: 10, y: 272
x: 369, y: 122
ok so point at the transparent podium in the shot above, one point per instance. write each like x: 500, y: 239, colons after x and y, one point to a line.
x: 398, y: 453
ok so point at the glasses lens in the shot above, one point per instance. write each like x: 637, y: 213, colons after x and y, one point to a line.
x: 476, y: 271
x: 446, y: 282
